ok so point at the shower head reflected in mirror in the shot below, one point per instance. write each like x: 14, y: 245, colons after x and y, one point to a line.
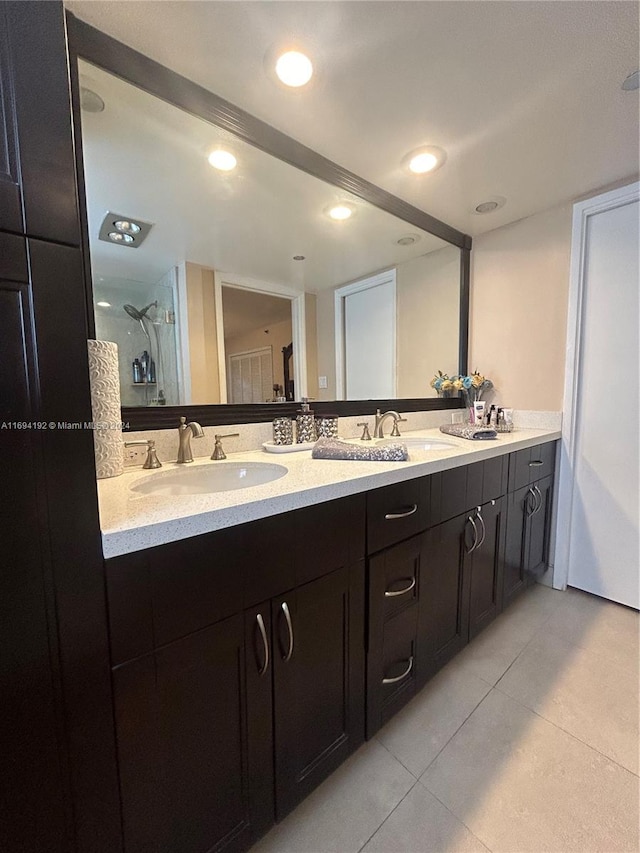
x: 138, y: 314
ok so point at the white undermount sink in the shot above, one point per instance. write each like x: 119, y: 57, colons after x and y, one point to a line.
x: 417, y: 442
x: 206, y: 479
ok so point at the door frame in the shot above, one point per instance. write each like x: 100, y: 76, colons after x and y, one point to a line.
x: 298, y: 325
x: 582, y: 211
x: 340, y: 293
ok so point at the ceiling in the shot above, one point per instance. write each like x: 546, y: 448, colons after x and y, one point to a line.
x: 146, y: 160
x: 245, y: 311
x: 525, y: 97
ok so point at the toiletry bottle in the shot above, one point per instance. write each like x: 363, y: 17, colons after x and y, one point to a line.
x: 152, y: 371
x: 144, y: 363
x: 305, y: 423
x: 137, y: 371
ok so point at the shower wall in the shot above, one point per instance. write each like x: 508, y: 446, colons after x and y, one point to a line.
x: 113, y: 324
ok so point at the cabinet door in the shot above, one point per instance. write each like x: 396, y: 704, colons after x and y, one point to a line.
x: 37, y: 162
x: 539, y: 529
x: 318, y: 669
x: 182, y: 744
x: 520, y: 505
x: 444, y: 595
x: 259, y: 680
x: 33, y: 788
x: 487, y: 560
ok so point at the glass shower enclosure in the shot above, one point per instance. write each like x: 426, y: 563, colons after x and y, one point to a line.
x: 140, y: 319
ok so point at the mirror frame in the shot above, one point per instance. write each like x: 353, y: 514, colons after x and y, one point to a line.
x: 94, y: 46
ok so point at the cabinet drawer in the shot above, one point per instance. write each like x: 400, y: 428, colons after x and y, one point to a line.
x: 396, y: 512
x: 391, y: 669
x: 458, y: 490
x: 531, y: 464
x: 394, y: 583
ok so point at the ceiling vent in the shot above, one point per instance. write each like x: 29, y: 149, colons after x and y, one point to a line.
x: 123, y: 230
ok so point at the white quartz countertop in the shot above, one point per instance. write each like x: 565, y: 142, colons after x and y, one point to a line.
x: 130, y: 521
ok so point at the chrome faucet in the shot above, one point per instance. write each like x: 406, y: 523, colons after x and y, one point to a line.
x: 381, y: 418
x: 185, y: 431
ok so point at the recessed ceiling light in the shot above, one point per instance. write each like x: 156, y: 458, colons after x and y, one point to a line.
x: 408, y: 240
x: 340, y: 212
x: 104, y: 304
x: 632, y: 82
x: 222, y: 160
x: 119, y: 237
x: 490, y: 204
x: 424, y: 160
x: 90, y: 101
x: 294, y: 68
x: 127, y: 227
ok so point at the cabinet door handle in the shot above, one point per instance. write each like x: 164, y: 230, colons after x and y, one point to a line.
x: 405, y: 513
x: 529, y: 512
x: 392, y: 593
x: 538, y: 496
x: 475, y: 536
x: 536, y: 463
x: 400, y: 677
x: 484, y: 529
x: 265, y: 644
x: 287, y: 615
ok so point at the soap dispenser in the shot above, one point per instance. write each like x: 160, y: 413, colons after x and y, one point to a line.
x: 305, y: 423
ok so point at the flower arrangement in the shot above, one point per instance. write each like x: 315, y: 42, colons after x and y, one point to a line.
x: 442, y: 383
x: 472, y: 386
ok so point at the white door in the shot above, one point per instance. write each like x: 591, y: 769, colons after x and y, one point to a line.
x: 601, y: 439
x: 369, y: 310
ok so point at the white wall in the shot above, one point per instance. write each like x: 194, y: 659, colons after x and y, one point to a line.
x: 518, y: 317
x: 428, y: 294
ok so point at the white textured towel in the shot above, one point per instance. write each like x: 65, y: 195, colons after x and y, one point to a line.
x: 475, y: 433
x: 332, y: 448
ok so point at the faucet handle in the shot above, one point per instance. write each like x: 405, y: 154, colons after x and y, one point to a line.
x: 365, y: 432
x: 395, y: 432
x: 152, y: 460
x: 218, y: 452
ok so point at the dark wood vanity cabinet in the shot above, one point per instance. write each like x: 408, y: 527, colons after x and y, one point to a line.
x: 527, y: 538
x: 238, y: 675
x: 430, y: 593
x: 247, y: 662
x: 183, y: 750
x: 530, y: 503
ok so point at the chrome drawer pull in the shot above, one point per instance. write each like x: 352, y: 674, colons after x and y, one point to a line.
x: 392, y: 593
x: 265, y: 644
x: 400, y: 677
x: 285, y: 609
x: 405, y: 514
x: 529, y: 512
x: 536, y: 463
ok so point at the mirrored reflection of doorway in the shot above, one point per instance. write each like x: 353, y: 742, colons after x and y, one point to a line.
x: 258, y: 335
x: 365, y: 316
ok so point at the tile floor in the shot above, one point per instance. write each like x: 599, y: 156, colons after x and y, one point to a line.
x: 526, y: 742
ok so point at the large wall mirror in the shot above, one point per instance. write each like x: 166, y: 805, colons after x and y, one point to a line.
x: 228, y: 276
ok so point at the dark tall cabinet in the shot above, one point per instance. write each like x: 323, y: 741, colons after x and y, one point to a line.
x: 58, y: 788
